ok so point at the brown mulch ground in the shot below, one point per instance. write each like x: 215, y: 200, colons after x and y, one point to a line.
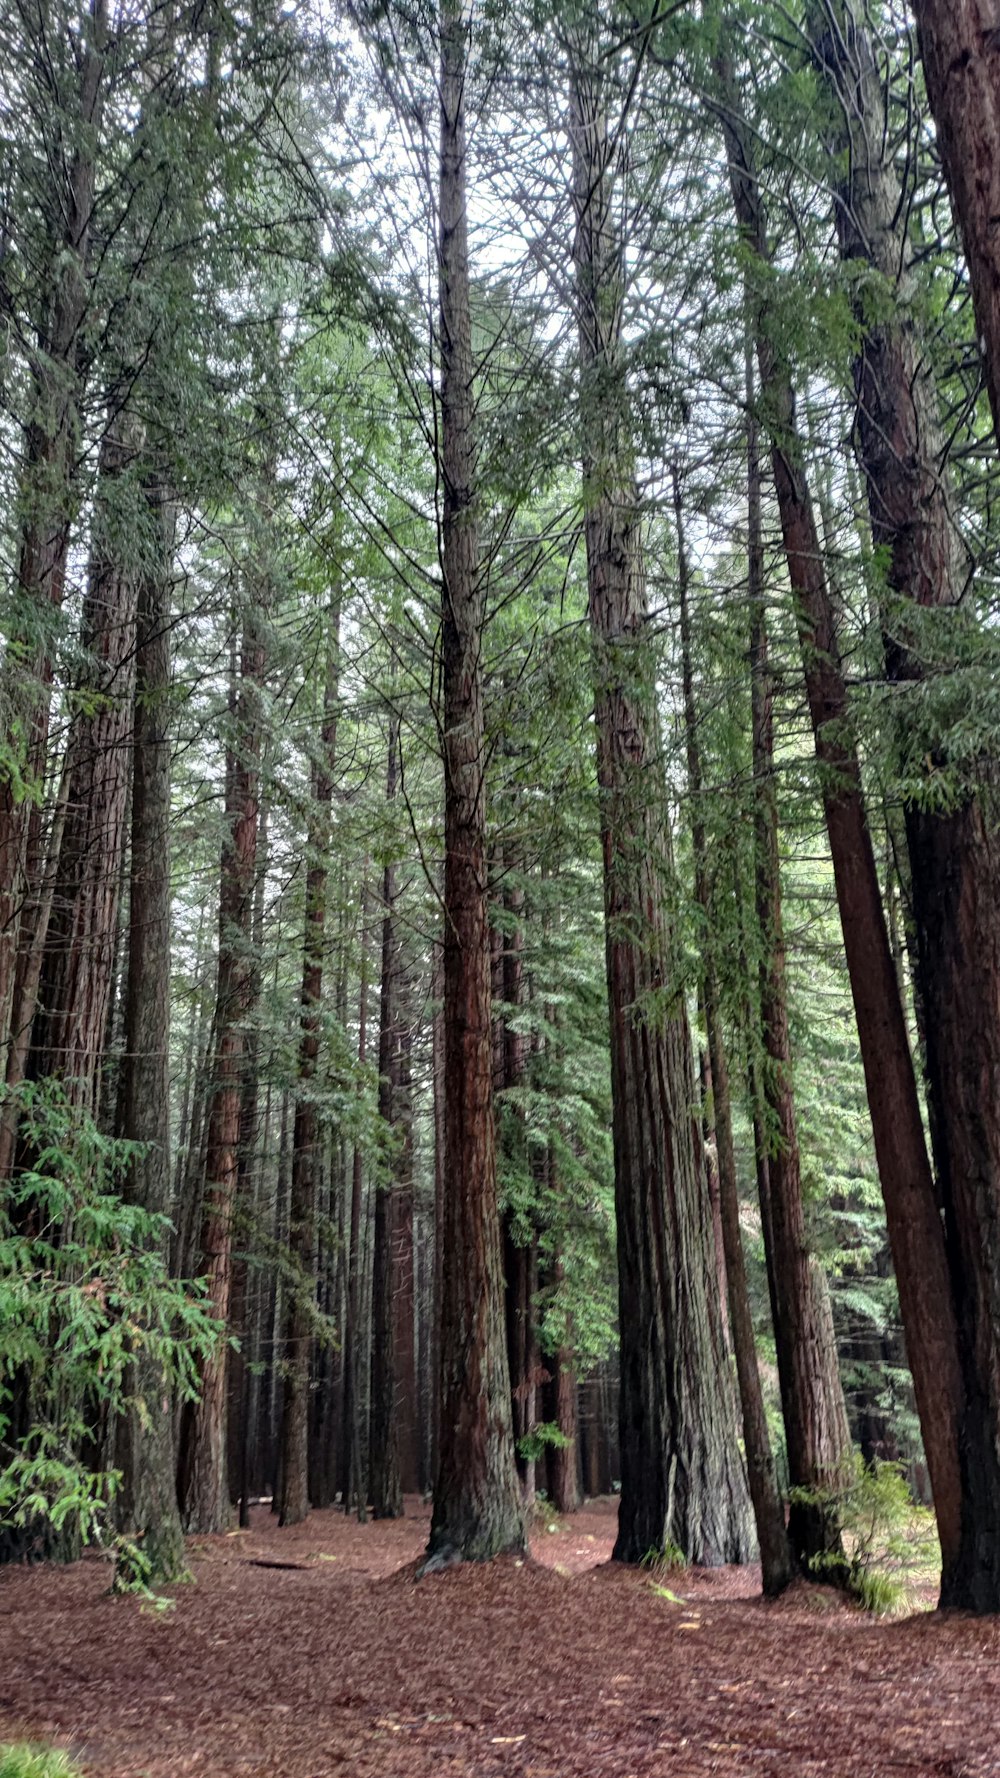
x: 342, y: 1665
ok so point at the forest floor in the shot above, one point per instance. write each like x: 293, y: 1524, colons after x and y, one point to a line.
x: 340, y: 1665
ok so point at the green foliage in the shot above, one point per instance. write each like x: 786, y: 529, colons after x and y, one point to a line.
x: 888, y: 1540
x: 18, y: 1759
x: 546, y: 1435
x: 86, y: 1307
x: 667, y: 1559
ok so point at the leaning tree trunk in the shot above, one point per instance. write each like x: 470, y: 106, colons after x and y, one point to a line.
x: 203, y: 1484
x: 476, y: 1507
x: 912, y: 1212
x: 293, y: 1467
x: 777, y: 1563
x: 954, y: 853
x: 146, y: 1505
x: 682, y: 1479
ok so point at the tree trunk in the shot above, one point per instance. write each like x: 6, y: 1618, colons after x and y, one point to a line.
x: 80, y: 944
x: 912, y: 1212
x: 47, y: 501
x: 777, y: 1563
x: 954, y: 854
x: 383, y: 1444
x: 203, y: 1484
x: 146, y: 1505
x: 960, y: 51
x: 306, y: 1147
x: 683, y: 1484
x: 476, y: 1508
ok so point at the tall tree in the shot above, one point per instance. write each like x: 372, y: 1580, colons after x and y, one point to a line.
x: 954, y: 852
x: 682, y: 1479
x: 908, y: 1188
x: 476, y: 1507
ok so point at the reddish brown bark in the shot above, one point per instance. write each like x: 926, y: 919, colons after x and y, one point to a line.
x: 908, y: 1188
x: 476, y: 1508
x: 960, y: 50
x: 954, y: 855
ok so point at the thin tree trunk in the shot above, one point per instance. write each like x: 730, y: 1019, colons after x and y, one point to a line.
x: 203, y: 1483
x: 383, y: 1442
x: 146, y: 1505
x: 476, y: 1507
x: 306, y: 1149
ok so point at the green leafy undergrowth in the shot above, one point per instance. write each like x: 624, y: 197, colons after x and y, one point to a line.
x: 92, y: 1327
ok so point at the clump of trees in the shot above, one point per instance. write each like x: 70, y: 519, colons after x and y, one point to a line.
x: 498, y: 736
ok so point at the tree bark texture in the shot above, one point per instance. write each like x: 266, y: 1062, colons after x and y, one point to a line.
x: 47, y: 497
x: 203, y: 1472
x: 682, y: 1478
x: 912, y: 1212
x: 777, y: 1565
x: 960, y: 51
x: 385, y: 1485
x: 78, y: 971
x: 477, y: 1511
x: 307, y: 1154
x: 146, y: 1505
x: 954, y: 854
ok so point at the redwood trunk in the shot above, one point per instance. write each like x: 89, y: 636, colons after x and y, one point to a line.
x: 960, y: 50
x: 682, y: 1478
x: 385, y: 1486
x: 476, y: 1508
x: 912, y: 1212
x: 147, y: 1503
x: 954, y: 855
x: 777, y: 1564
x: 306, y: 1145
x: 203, y: 1475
